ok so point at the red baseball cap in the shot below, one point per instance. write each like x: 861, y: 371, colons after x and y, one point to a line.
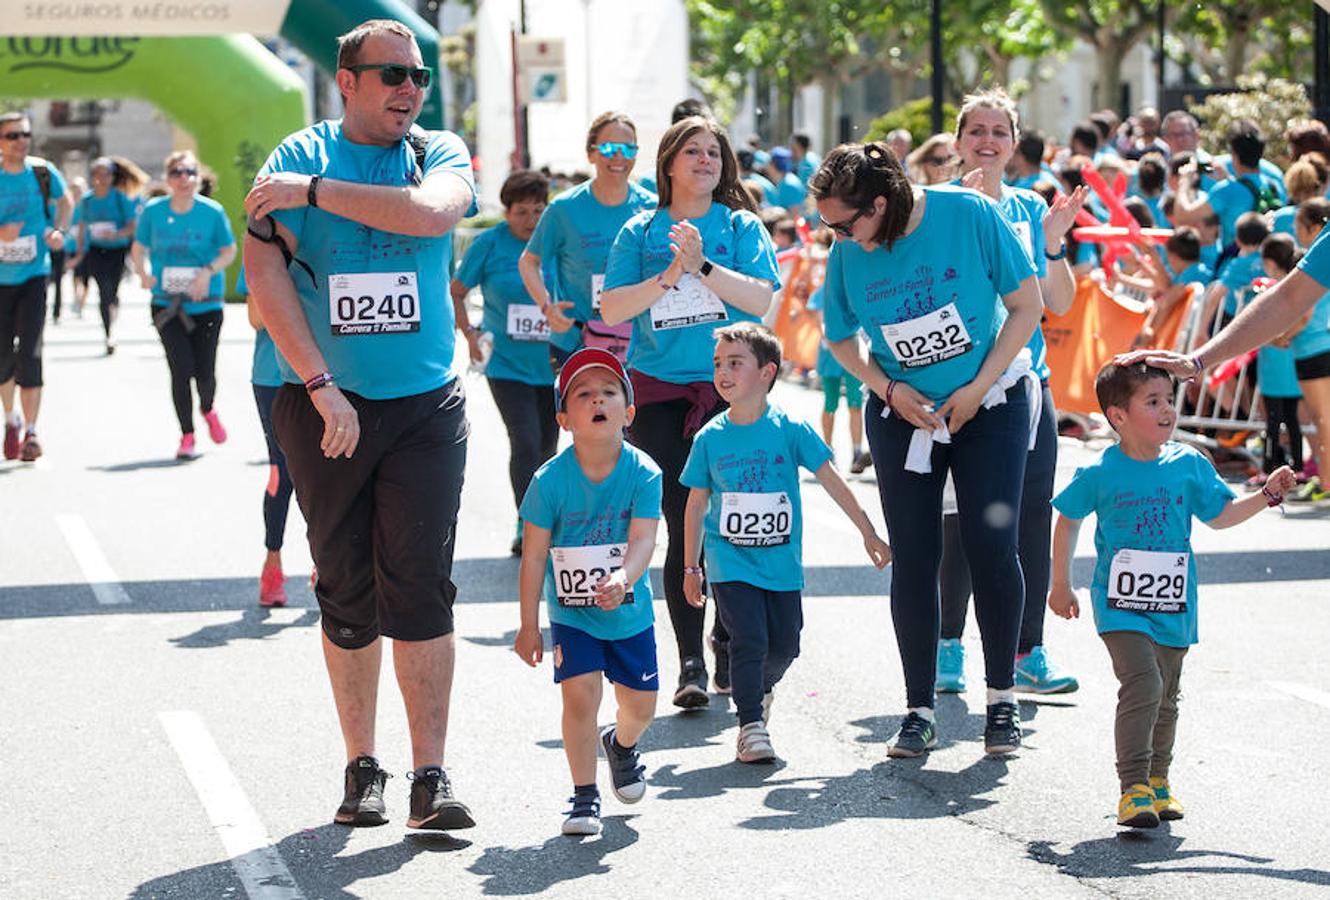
x: 590, y: 358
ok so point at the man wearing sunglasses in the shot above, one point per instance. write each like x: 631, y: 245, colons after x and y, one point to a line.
x: 28, y: 231
x: 347, y: 255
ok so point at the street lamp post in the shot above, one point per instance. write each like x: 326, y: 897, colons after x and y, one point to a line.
x: 937, y: 66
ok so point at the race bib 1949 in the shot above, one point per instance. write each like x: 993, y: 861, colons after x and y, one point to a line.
x: 690, y: 303
x: 929, y: 339
x: 373, y: 303
x: 1148, y: 581
x: 597, y: 288
x: 177, y: 279
x: 19, y: 251
x: 756, y: 520
x: 527, y: 323
x: 577, y: 571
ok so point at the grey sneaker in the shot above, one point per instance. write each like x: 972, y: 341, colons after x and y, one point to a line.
x: 916, y: 735
x: 433, y: 805
x: 362, y: 805
x: 627, y: 774
x: 692, y: 691
x: 754, y: 744
x: 584, y: 817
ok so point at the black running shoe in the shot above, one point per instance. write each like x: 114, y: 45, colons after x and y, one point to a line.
x: 722, y: 675
x: 433, y: 805
x: 1002, y: 730
x: 692, y: 691
x: 363, y: 803
x: 628, y: 777
x: 916, y: 735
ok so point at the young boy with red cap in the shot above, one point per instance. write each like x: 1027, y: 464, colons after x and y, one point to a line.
x: 590, y: 517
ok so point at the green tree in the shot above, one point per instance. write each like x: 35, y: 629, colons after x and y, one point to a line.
x: 996, y: 33
x: 1271, y: 103
x: 1220, y: 38
x: 1113, y: 28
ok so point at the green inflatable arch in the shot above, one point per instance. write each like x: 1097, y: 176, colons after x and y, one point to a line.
x: 229, y: 92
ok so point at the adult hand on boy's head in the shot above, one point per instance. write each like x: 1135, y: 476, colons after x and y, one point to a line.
x: 1062, y: 600
x: 529, y: 646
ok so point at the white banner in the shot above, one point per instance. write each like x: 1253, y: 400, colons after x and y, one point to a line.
x: 147, y: 18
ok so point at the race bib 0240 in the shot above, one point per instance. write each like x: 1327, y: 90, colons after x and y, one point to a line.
x: 577, y: 571
x: 928, y: 339
x: 373, y: 303
x: 1148, y: 581
x: 756, y: 520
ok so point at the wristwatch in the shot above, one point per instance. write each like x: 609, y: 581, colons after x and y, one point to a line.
x: 312, y: 195
x: 705, y: 269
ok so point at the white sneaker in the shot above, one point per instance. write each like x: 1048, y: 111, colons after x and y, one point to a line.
x: 754, y: 745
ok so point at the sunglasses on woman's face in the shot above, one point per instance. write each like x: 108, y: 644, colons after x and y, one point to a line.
x: 939, y: 160
x: 16, y: 135
x: 183, y: 173
x: 611, y: 148
x: 392, y: 74
x: 845, y: 229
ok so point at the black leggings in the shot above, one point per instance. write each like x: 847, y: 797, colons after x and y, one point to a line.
x: 106, y: 265
x: 658, y: 431
x: 191, y: 355
x: 533, y: 434
x: 277, y: 495
x: 1282, y: 411
x: 22, y: 320
x: 57, y: 281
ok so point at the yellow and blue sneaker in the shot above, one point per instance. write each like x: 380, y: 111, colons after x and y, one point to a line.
x: 1136, y: 808
x: 1166, y: 805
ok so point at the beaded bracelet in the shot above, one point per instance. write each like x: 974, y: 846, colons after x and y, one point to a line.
x: 891, y: 387
x: 1271, y: 499
x: 693, y: 570
x: 321, y: 380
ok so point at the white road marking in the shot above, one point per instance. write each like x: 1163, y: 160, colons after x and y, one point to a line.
x: 253, y: 856
x: 96, y: 570
x: 1302, y: 692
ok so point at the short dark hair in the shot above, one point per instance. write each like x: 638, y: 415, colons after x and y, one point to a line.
x: 1185, y: 244
x: 524, y: 184
x: 1103, y: 123
x: 759, y: 338
x: 689, y: 107
x: 1115, y: 385
x: 1246, y: 143
x: 1281, y: 250
x: 744, y: 156
x: 857, y: 174
x: 1085, y: 133
x: 802, y: 140
x: 1150, y: 174
x: 1251, y: 229
x: 1313, y: 213
x: 1140, y: 211
x: 349, y: 44
x: 787, y: 228
x: 1031, y: 147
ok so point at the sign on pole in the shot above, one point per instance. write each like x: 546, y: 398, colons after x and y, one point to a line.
x: 543, y: 76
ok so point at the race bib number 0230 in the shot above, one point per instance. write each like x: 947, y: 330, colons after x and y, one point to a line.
x: 923, y: 341
x: 1148, y: 581
x: 756, y: 520
x: 373, y: 303
x: 577, y: 571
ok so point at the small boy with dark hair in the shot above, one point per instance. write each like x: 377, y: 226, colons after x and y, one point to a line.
x: 1182, y: 252
x: 1236, y: 276
x: 743, y: 472
x: 1144, y: 492
x: 590, y: 519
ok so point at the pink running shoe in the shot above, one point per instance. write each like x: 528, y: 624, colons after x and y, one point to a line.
x: 272, y: 587
x: 215, y: 430
x: 186, y: 450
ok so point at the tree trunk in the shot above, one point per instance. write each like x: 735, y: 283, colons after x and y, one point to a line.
x: 827, y: 137
x: 1108, y: 88
x: 1235, y: 55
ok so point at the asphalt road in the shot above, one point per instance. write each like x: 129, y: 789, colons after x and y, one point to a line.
x: 164, y: 737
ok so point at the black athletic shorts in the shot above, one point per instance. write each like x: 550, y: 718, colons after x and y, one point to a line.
x: 1313, y: 367
x: 382, y: 524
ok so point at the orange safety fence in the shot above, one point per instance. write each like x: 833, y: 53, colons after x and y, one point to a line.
x: 1096, y: 328
x: 799, y: 331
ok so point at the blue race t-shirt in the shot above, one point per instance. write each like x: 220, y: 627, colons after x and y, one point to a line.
x: 1314, y: 338
x: 1231, y: 199
x: 1237, y: 276
x: 1196, y: 273
x: 672, y: 338
x: 103, y: 216
x: 1316, y: 262
x: 1273, y: 175
x: 807, y: 166
x: 931, y: 305
x: 1281, y: 221
x: 790, y: 193
x: 521, y: 333
x: 27, y: 256
x: 573, y: 240
x: 1276, y: 373
x: 264, y: 369
x: 580, y: 513
x: 1145, y: 506
x: 753, y: 529
x: 181, y: 243
x: 768, y: 189
x: 827, y: 365
x: 394, y: 333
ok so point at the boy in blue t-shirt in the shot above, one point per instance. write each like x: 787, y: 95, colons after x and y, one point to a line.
x: 1145, y: 492
x: 744, y: 474
x: 590, y: 517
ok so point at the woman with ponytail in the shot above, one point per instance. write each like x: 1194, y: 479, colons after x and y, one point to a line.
x: 945, y: 290
x: 700, y: 260
x: 107, y: 219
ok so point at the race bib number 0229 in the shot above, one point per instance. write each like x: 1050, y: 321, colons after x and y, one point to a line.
x: 1148, y: 581
x: 925, y: 340
x: 756, y: 520
x: 373, y: 303
x: 577, y: 571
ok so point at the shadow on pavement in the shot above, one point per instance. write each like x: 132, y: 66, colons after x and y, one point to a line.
x: 1129, y: 854
x: 315, y: 860
x: 510, y: 871
x: 141, y: 464
x: 254, y: 625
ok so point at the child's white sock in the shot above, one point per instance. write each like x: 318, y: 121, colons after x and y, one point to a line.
x: 925, y: 712
x: 995, y: 696
x: 14, y: 418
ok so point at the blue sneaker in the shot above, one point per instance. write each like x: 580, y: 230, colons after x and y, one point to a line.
x: 1036, y: 675
x: 950, y: 666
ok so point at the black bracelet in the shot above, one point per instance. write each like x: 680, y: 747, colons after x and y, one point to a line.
x: 1061, y: 254
x: 321, y: 380
x: 312, y: 195
x: 1271, y: 499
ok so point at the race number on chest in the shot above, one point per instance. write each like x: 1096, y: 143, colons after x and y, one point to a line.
x: 527, y: 323
x: 22, y: 250
x: 102, y: 231
x: 373, y: 303
x: 756, y: 520
x: 1149, y: 581
x: 690, y: 303
x: 597, y: 288
x: 929, y: 339
x: 577, y: 571
x: 177, y: 279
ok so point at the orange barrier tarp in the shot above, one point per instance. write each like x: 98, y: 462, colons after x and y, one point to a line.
x: 1095, y: 329
x: 799, y: 331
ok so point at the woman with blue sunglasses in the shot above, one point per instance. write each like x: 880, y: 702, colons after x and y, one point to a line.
x: 575, y: 234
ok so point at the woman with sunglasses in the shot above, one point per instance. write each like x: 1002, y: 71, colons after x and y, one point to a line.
x: 946, y: 292
x: 572, y: 242
x: 189, y: 240
x: 702, y: 259
x: 933, y: 161
x: 518, y: 370
x: 106, y: 228
x: 986, y: 136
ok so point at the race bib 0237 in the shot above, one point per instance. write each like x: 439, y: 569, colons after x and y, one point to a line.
x: 577, y: 571
x: 925, y: 340
x: 1148, y: 581
x: 373, y: 303
x: 756, y: 520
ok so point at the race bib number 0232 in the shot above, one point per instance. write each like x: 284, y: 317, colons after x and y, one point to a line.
x: 925, y: 340
x: 1148, y: 581
x: 577, y: 571
x: 373, y: 303
x: 756, y: 520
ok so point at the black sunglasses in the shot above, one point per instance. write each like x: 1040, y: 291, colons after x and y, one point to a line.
x: 392, y: 74
x: 183, y: 173
x: 17, y: 135
x: 845, y: 229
